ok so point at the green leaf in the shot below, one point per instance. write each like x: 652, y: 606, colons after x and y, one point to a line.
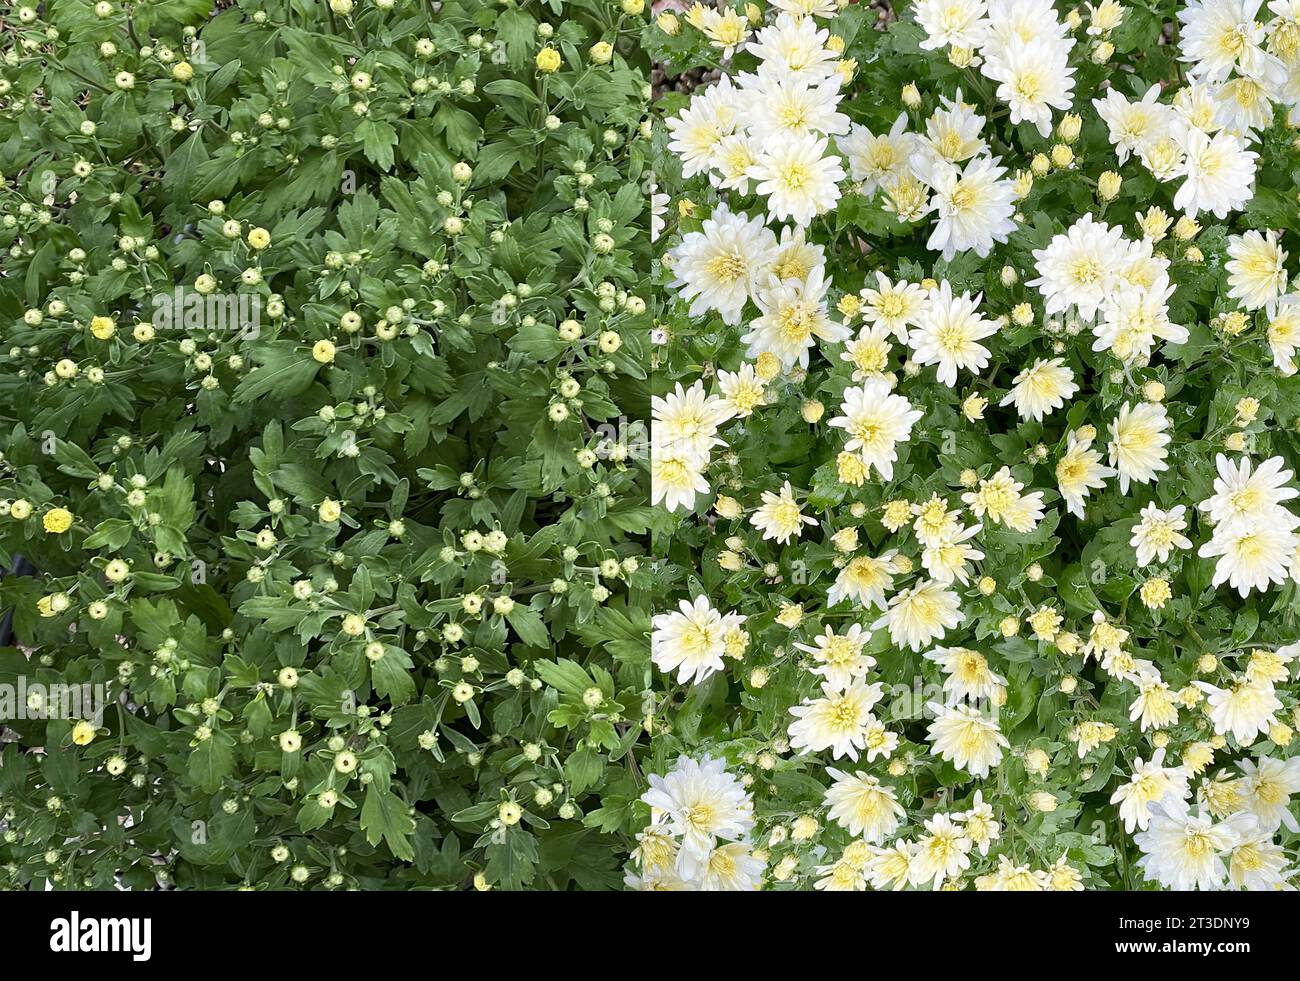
x: 384, y: 818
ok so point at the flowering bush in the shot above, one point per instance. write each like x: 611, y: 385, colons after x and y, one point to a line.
x: 975, y: 437
x: 322, y: 377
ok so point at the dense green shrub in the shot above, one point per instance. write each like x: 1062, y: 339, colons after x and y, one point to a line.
x: 320, y: 397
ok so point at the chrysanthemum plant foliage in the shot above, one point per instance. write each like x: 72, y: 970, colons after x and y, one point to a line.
x: 322, y: 396
x: 978, y: 439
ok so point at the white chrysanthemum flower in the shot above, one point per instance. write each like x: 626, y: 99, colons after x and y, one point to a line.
x: 1079, y: 268
x: 1133, y: 126
x: 743, y: 390
x: 878, y: 161
x: 726, y: 29
x: 779, y: 106
x: 839, y: 657
x: 1010, y: 877
x: 692, y: 640
x: 966, y: 738
x: 1269, y: 784
x: 1041, y: 388
x: 999, y: 499
x: 968, y: 675
x: 837, y: 721
x: 1284, y: 333
x: 794, y: 317
x: 1025, y: 513
x: 687, y: 420
x: 876, y: 420
x: 941, y: 853
x: 1013, y: 22
x: 934, y: 522
x: 1243, y: 105
x: 1133, y: 318
x: 1243, y: 497
x: 862, y: 805
x: 1273, y: 665
x: 1157, y: 534
x: 719, y: 267
x: 1164, y: 157
x: 1221, y: 35
x: 695, y: 132
x: 703, y: 804
x: 1182, y: 850
x: 796, y: 257
x: 1139, y: 440
x: 1154, y: 707
x: 920, y: 614
x: 798, y: 178
x: 974, y: 205
x: 731, y: 868
x: 1142, y: 268
x: 656, y: 847
x: 779, y: 517
x: 1219, y: 174
x: 980, y: 823
x: 1245, y: 710
x: 907, y: 199
x: 1195, y: 104
x: 676, y: 477
x: 1104, y: 17
x: 959, y: 23
x: 1259, y: 863
x: 795, y: 45
x: 948, y: 559
x: 895, y: 306
x: 866, y: 580
x: 732, y: 159
x: 1256, y: 269
x: 880, y: 741
x: 808, y: 8
x: 1034, y: 78
x: 1078, y: 471
x: 869, y: 352
x: 891, y: 868
x: 1150, y: 784
x: 1284, y: 30
x: 948, y: 334
x: 953, y: 132
x: 1253, y: 555
x: 841, y: 876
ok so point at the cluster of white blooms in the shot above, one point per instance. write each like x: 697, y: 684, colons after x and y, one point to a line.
x: 1257, y: 280
x: 1254, y: 535
x: 698, y: 836
x: 682, y: 437
x: 1226, y: 837
x: 933, y: 374
x: 693, y: 640
x: 938, y: 854
x: 1119, y: 286
x: 772, y: 127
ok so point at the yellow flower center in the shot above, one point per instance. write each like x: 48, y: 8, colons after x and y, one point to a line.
x: 722, y: 864
x: 1085, y: 271
x: 843, y: 713
x: 795, y: 176
x: 700, y: 817
x: 840, y: 651
x: 1198, y: 844
x: 796, y: 323
x: 727, y: 267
